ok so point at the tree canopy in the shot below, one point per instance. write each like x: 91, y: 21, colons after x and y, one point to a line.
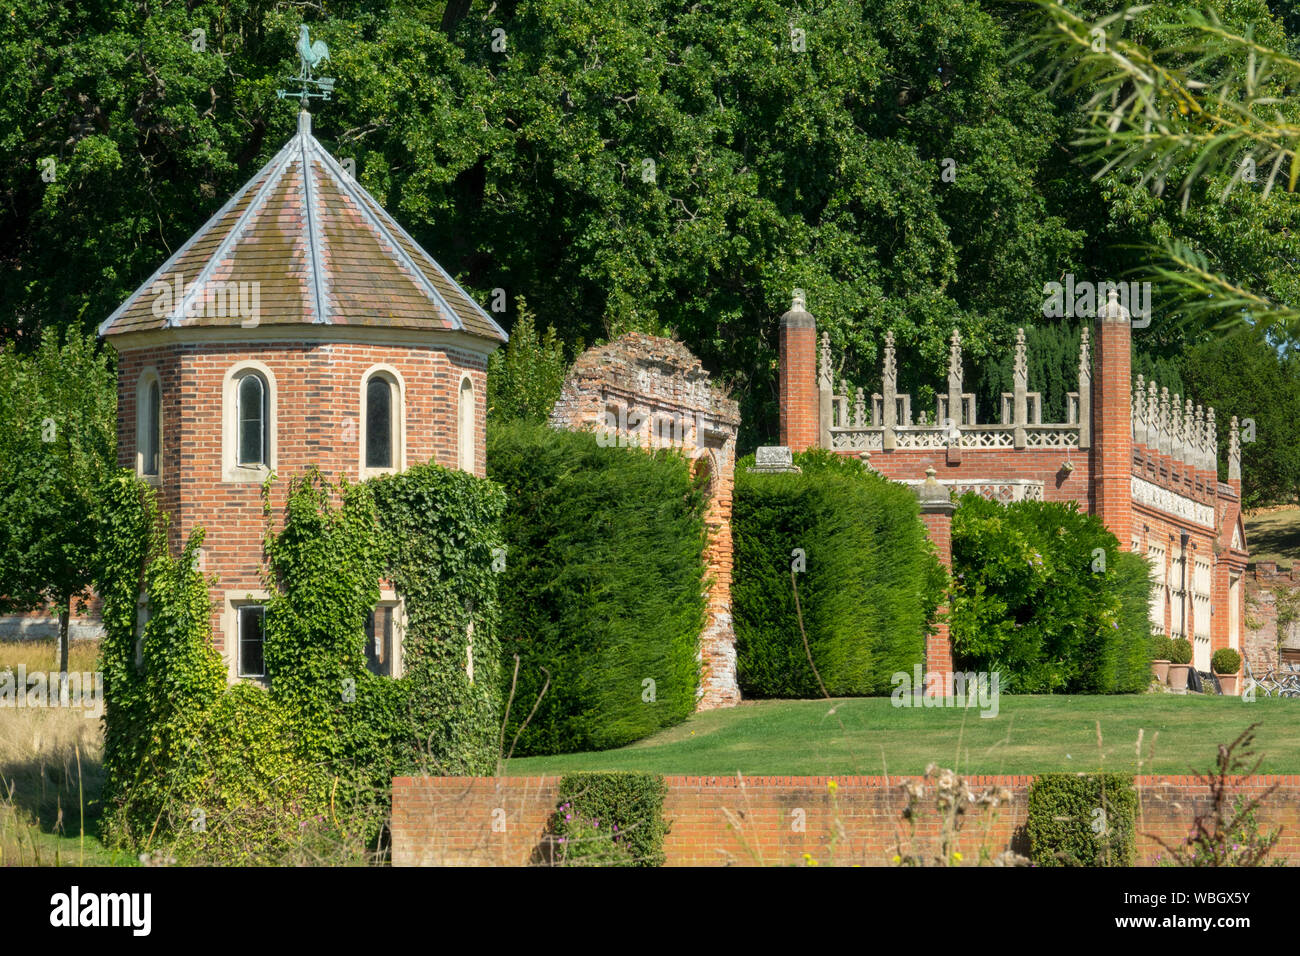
x: 630, y: 165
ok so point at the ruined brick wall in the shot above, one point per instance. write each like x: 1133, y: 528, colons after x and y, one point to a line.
x: 774, y: 821
x: 652, y: 392
x: 1267, y: 643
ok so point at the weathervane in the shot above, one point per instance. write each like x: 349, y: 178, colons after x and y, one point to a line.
x: 311, y: 55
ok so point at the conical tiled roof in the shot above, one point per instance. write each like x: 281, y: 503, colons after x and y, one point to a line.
x: 320, y: 247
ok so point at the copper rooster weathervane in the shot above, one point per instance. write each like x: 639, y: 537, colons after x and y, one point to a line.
x: 311, y: 55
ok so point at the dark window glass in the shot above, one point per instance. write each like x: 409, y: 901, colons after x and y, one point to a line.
x: 252, y: 421
x: 250, y: 642
x: 379, y: 641
x: 152, y: 437
x: 379, y: 423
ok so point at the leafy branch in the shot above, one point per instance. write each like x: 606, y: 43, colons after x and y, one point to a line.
x: 1207, y: 104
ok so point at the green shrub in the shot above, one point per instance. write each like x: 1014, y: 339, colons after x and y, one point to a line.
x: 1180, y: 651
x: 286, y: 774
x: 324, y: 567
x: 1128, y: 644
x: 1225, y: 661
x: 868, y: 587
x: 603, y: 591
x: 443, y: 540
x: 580, y: 841
x: 157, y: 714
x: 1043, y: 595
x: 1161, y: 647
x: 525, y: 377
x: 1081, y: 819
x: 612, y: 819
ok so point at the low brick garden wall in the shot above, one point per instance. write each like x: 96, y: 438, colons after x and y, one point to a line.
x: 773, y: 821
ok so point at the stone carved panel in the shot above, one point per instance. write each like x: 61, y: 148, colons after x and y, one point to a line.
x: 1170, y: 502
x: 853, y: 439
x: 1007, y: 491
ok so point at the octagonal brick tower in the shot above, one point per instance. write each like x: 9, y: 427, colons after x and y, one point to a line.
x: 300, y: 326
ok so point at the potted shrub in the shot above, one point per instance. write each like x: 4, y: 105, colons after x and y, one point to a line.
x: 1160, y: 652
x: 1226, y: 663
x: 1180, y: 663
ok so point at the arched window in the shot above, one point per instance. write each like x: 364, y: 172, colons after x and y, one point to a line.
x: 379, y: 423
x: 248, y: 427
x: 382, y: 421
x: 149, y: 426
x: 252, y: 420
x: 466, y: 426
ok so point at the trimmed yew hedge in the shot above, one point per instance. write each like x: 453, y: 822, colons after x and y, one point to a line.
x: 1082, y: 819
x: 603, y: 592
x: 868, y: 591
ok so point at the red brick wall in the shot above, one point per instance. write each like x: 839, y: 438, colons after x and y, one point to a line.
x: 1001, y: 464
x: 1264, y: 583
x: 800, y: 414
x: 1101, y: 479
x: 728, y: 821
x: 318, y: 390
x: 43, y: 623
x: 1112, y: 425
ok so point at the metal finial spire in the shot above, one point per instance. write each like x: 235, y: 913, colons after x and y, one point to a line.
x: 310, y: 55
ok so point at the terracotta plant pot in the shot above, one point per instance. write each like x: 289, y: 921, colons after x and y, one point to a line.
x: 1228, y: 682
x: 1161, y: 670
x: 1178, y: 676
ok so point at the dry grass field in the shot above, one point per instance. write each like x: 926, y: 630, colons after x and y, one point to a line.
x: 50, y: 769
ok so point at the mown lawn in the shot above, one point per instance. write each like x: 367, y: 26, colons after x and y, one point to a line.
x: 1274, y: 536
x: 1030, y: 734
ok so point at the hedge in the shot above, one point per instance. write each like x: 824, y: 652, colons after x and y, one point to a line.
x: 1081, y: 819
x: 868, y: 589
x: 1043, y: 595
x: 603, y: 596
x: 612, y: 812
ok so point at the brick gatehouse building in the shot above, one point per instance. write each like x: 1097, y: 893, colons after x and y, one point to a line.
x: 300, y: 326
x: 1141, y: 460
